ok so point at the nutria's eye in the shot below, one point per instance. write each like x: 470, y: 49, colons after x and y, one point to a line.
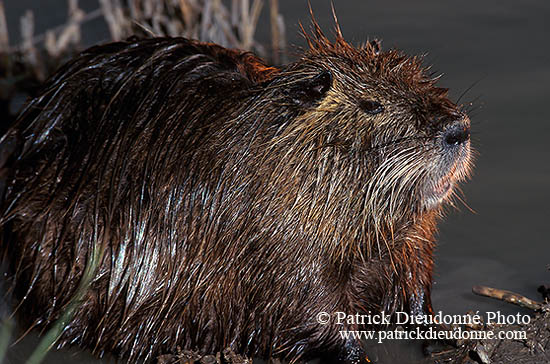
x: 371, y: 107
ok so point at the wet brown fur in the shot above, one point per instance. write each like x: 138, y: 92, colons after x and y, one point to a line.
x: 233, y: 201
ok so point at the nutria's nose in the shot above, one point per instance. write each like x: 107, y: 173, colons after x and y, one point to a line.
x: 457, y: 133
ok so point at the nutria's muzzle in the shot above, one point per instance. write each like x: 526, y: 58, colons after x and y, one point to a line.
x: 457, y: 134
x: 453, y: 162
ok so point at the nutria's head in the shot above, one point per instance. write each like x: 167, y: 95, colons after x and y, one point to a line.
x: 401, y: 144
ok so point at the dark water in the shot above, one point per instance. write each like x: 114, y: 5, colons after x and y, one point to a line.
x: 499, y: 49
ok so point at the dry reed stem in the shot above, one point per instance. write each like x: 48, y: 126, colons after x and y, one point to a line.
x: 69, y: 36
x: 4, y: 36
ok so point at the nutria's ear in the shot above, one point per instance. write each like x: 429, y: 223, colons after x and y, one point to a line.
x: 312, y: 89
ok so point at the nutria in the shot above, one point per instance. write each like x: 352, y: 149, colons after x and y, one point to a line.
x: 231, y: 201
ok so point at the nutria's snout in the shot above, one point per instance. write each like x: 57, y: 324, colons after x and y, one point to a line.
x: 455, y: 138
x: 452, y: 162
x: 457, y: 134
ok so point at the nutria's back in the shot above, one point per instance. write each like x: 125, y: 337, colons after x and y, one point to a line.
x: 232, y: 201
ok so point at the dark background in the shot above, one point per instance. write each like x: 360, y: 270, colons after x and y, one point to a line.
x: 497, y: 50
